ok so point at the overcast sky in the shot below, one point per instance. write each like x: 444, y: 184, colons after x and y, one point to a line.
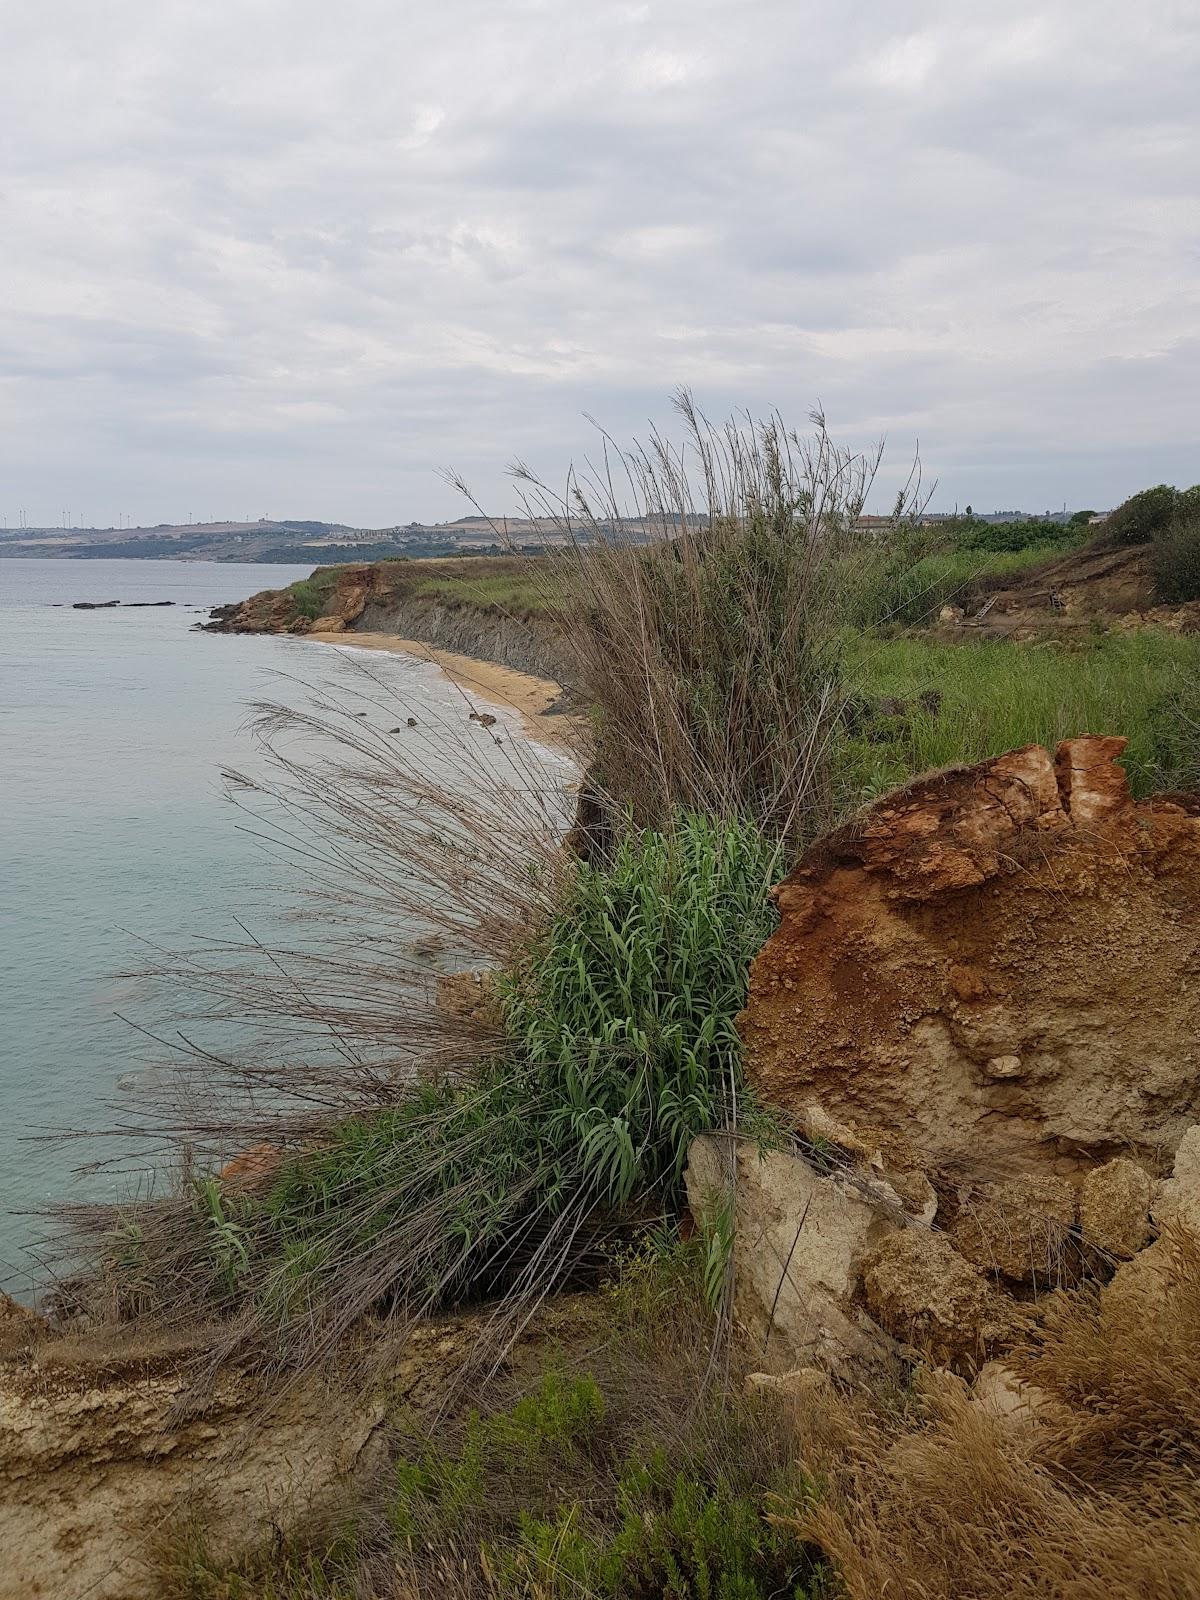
x: 290, y: 257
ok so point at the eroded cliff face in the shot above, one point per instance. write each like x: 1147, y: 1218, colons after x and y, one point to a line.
x: 108, y: 1448
x: 982, y: 1011
x: 996, y: 970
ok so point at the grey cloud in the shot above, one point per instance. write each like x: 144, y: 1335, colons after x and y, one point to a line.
x: 281, y: 253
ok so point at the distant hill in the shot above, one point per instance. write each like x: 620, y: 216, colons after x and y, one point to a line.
x: 295, y: 541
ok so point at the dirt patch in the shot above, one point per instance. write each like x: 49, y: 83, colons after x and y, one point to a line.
x: 108, y: 1443
x: 1069, y: 594
x: 995, y: 968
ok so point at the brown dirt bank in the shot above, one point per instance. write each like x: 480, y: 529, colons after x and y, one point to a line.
x: 1069, y: 593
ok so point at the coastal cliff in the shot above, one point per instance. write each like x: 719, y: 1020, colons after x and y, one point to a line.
x: 493, y: 609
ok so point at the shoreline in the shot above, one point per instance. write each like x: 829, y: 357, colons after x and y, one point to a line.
x: 529, y: 696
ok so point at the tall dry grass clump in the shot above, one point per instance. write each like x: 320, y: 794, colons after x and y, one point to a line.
x: 700, y: 590
x: 410, y: 1135
x: 1091, y: 1496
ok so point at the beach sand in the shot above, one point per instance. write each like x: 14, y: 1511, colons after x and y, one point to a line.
x: 530, y: 697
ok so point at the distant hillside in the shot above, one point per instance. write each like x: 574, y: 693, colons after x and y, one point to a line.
x: 294, y: 541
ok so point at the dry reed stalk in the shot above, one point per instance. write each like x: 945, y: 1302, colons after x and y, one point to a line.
x: 709, y: 644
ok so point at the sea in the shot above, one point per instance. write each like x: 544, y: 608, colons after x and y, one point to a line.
x: 117, y: 837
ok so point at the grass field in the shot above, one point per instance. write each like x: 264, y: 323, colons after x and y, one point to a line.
x: 917, y: 705
x: 519, y: 589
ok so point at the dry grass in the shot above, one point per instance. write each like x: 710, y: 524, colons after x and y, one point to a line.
x: 711, y: 654
x: 1095, y: 1498
x: 414, y: 851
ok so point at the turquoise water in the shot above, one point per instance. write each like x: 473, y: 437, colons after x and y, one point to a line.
x: 114, y: 828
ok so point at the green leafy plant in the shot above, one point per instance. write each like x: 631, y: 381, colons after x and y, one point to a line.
x: 1175, y: 554
x: 626, y: 1006
x: 620, y: 1046
x: 1143, y: 516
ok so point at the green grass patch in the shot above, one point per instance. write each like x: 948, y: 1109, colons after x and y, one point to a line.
x: 310, y: 594
x: 917, y: 705
x: 521, y: 592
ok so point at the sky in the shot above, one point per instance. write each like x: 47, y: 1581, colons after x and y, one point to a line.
x: 288, y: 258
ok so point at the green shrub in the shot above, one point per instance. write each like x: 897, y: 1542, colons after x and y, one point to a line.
x: 622, y: 1046
x: 1039, y: 534
x: 642, y: 1470
x: 708, y: 653
x: 626, y: 1007
x: 1143, y: 516
x: 584, y: 1487
x: 1175, y: 555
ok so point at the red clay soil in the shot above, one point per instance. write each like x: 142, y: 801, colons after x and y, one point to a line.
x: 996, y: 969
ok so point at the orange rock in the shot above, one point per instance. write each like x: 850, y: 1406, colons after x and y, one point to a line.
x: 996, y: 967
x: 252, y: 1169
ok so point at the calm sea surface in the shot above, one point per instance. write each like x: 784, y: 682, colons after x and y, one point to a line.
x: 114, y: 829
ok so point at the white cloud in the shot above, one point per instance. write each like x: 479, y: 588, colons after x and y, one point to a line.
x: 270, y: 249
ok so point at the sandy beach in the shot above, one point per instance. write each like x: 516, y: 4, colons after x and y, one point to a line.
x: 503, y: 686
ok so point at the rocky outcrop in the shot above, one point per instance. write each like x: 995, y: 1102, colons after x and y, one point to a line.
x: 800, y: 1239
x: 981, y: 1009
x: 392, y: 597
x: 106, y: 1450
x: 996, y: 969
x: 832, y: 1271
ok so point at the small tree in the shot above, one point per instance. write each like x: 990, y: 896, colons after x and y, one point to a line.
x: 1176, y: 553
x: 1143, y: 516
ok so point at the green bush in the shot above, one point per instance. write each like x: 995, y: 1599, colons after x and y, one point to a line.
x: 626, y: 1007
x: 622, y: 1046
x: 1143, y: 516
x: 1175, y: 556
x: 643, y: 1471
x: 557, y: 1504
x: 1033, y: 534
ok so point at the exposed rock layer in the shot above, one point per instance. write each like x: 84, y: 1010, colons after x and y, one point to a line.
x: 100, y: 1457
x: 387, y: 597
x: 996, y: 969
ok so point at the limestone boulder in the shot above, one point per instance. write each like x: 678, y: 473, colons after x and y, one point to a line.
x: 1004, y: 1394
x: 929, y: 1297
x: 1114, y: 1207
x: 1178, y: 1199
x: 1020, y: 1229
x: 800, y: 1237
